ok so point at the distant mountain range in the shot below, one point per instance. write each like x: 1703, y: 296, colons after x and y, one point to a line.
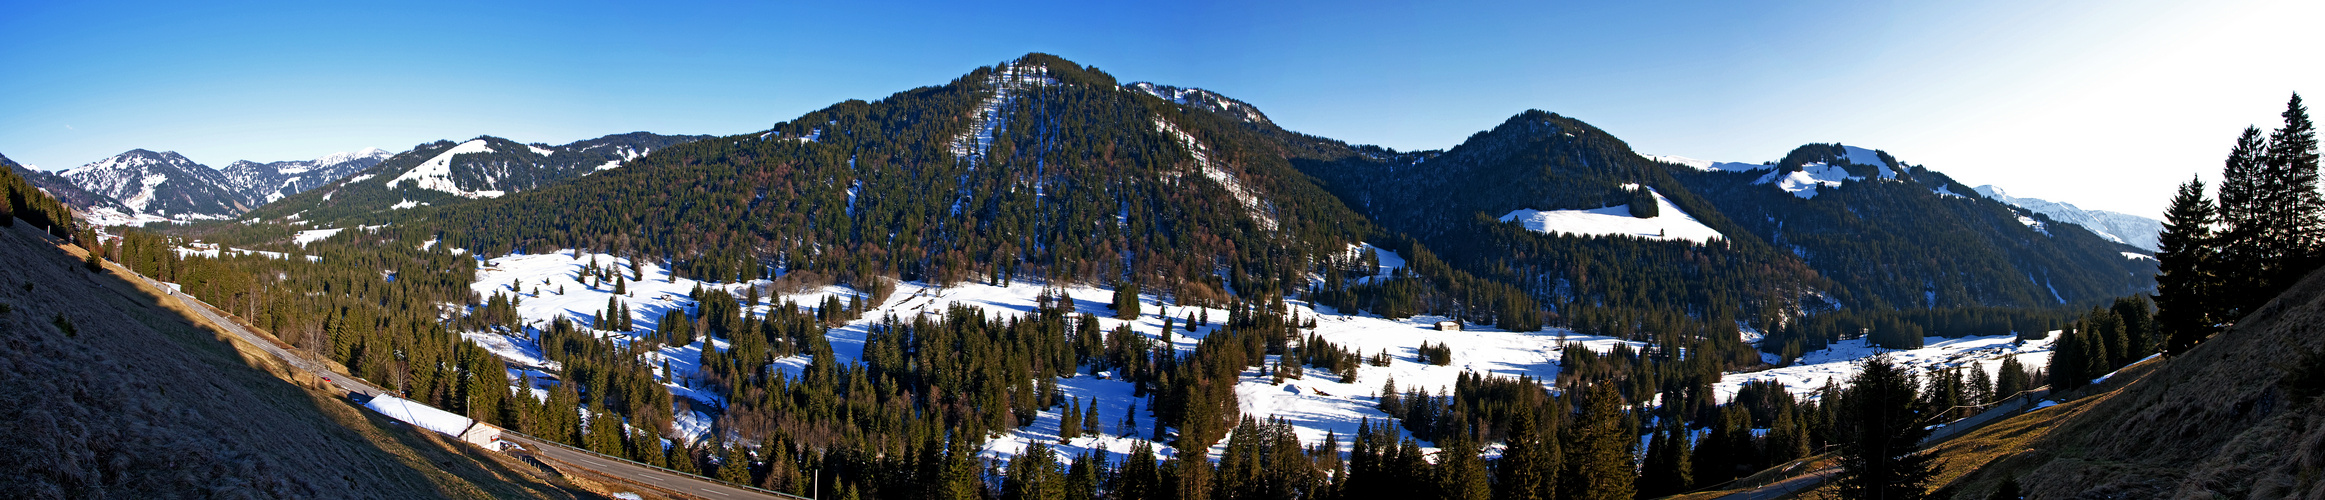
x: 142, y: 186
x: 2118, y: 226
x: 445, y: 172
x: 272, y: 181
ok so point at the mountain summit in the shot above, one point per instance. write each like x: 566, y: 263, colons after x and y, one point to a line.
x: 164, y: 183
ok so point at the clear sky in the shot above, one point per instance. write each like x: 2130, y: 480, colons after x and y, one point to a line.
x: 2106, y: 104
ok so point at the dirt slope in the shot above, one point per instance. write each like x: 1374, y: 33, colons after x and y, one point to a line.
x: 108, y: 390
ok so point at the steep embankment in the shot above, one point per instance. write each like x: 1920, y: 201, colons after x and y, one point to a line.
x: 108, y: 389
x: 2218, y: 422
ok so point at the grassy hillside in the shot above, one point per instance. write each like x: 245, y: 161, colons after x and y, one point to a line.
x: 108, y: 389
x: 2219, y: 422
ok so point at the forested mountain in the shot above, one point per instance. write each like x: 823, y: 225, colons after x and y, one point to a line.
x: 444, y: 172
x: 1895, y: 235
x: 164, y: 184
x: 1454, y: 200
x: 267, y: 182
x: 1039, y: 167
x: 2115, y: 226
x: 64, y: 190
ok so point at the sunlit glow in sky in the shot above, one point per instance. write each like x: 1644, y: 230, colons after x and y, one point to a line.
x: 2105, y: 104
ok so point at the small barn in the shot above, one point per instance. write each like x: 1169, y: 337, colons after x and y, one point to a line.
x: 1448, y: 326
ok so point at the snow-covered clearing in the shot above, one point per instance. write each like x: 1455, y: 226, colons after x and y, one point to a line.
x: 314, y: 235
x: 1839, y: 362
x: 1671, y: 224
x: 2037, y: 225
x: 1804, y: 182
x: 436, y: 173
x: 1314, y: 405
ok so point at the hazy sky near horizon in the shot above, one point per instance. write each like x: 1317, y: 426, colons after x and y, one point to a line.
x: 2105, y: 104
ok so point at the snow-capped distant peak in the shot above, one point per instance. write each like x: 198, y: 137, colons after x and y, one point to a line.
x: 344, y: 157
x: 1707, y: 165
x: 2115, y: 226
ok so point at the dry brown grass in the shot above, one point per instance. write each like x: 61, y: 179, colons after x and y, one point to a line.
x: 142, y: 400
x: 2212, y: 423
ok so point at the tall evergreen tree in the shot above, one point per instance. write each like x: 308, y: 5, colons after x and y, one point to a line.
x: 1882, y: 430
x: 1528, y: 469
x: 2299, y: 212
x: 2185, y: 275
x: 1599, y: 466
x: 2243, y: 200
x: 1667, y: 470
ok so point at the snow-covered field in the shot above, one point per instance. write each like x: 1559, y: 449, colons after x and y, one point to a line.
x: 1313, y: 405
x: 1839, y: 362
x: 1671, y: 224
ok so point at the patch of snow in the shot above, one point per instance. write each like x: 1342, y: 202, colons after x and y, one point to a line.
x: 1804, y: 182
x: 1672, y: 224
x: 436, y: 173
x: 360, y: 178
x: 1867, y: 157
x: 420, y: 415
x: 2137, y: 256
x: 311, y: 236
x: 2036, y: 225
x: 404, y: 204
x: 540, y: 150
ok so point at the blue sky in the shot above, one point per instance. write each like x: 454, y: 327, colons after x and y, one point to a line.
x: 2106, y: 104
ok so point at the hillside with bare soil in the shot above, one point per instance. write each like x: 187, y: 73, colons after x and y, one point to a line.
x: 110, y: 389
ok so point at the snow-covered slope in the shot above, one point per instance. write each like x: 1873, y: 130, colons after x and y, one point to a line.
x: 164, y: 184
x: 2121, y: 227
x: 1672, y: 224
x: 436, y: 173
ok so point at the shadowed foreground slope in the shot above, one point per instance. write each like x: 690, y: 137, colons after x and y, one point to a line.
x: 108, y: 390
x: 2218, y: 422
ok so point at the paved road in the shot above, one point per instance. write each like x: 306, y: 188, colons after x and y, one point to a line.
x: 671, y: 481
x: 346, y: 383
x: 667, y: 480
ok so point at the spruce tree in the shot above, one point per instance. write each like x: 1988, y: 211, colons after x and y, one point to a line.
x: 1667, y: 470
x: 2185, y: 274
x: 1528, y: 469
x: 2244, y: 220
x: 2299, y: 219
x: 1461, y: 475
x: 1599, y: 462
x: 1882, y: 429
